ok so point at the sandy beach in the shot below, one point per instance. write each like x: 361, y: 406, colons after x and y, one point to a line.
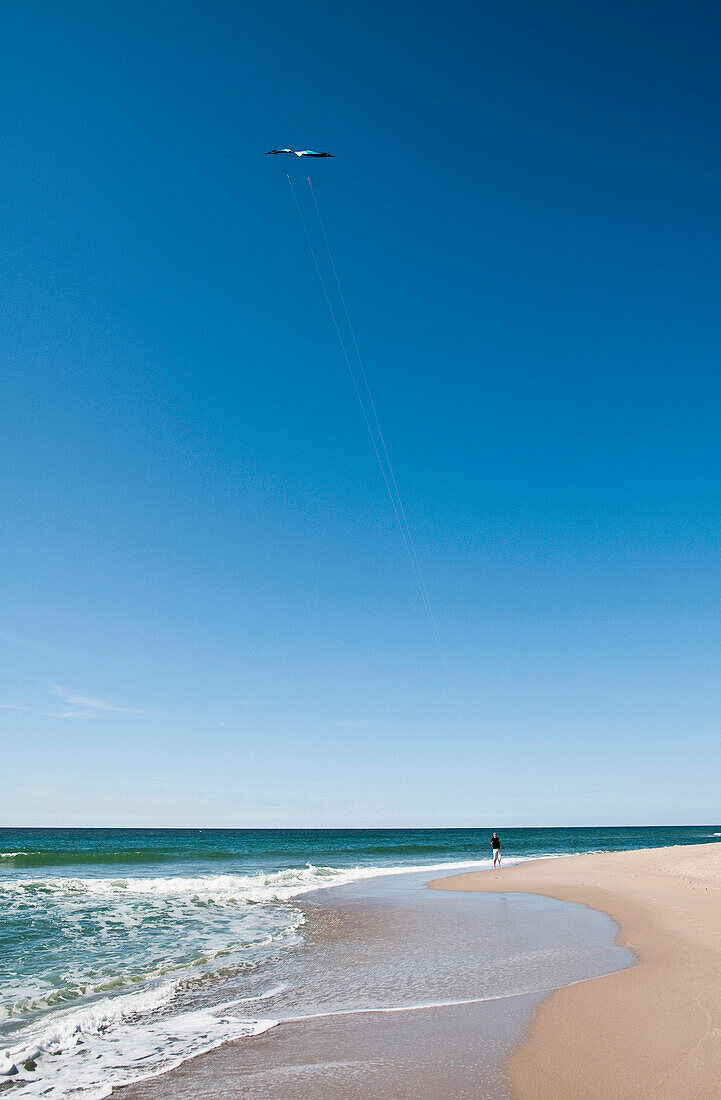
x: 651, y: 1031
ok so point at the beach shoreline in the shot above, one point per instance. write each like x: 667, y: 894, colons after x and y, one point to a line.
x: 405, y: 1005
x: 653, y: 1030
x: 254, y: 929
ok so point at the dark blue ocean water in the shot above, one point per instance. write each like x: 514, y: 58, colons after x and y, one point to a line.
x: 193, y: 851
x: 108, y: 935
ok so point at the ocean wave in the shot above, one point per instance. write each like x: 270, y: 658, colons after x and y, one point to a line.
x: 168, y: 945
x: 192, y: 972
x: 28, y: 858
x: 226, y: 889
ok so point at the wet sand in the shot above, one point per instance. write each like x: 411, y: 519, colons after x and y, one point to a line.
x: 652, y: 1032
x: 372, y: 950
x: 426, y: 1054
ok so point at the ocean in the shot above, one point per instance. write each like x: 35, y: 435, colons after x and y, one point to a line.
x: 124, y: 952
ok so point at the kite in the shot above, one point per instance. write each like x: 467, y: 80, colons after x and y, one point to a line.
x: 296, y: 153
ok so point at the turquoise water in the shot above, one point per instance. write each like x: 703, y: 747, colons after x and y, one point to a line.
x: 110, y: 939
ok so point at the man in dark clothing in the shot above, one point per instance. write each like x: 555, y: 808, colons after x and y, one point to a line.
x: 496, y: 846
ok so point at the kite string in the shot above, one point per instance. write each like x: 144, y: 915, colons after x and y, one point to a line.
x: 403, y: 520
x: 353, y: 377
x: 377, y: 438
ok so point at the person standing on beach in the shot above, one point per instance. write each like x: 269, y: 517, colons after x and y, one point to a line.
x: 496, y: 846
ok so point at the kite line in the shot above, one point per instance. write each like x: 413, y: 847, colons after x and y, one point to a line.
x: 364, y: 394
x: 382, y: 450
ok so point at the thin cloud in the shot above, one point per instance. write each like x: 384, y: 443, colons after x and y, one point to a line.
x: 89, y: 706
x: 87, y: 702
x: 45, y: 714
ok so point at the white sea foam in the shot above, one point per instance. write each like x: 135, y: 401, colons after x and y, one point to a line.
x: 88, y: 1051
x: 224, y: 889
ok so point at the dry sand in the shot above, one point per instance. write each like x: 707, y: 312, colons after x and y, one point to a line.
x: 653, y: 1031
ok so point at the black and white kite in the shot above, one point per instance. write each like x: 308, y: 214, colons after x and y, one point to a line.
x: 295, y: 153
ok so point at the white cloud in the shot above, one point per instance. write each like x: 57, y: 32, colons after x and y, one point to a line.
x: 48, y: 713
x: 89, y: 706
x: 87, y: 702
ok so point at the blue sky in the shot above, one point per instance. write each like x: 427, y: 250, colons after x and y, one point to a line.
x: 207, y: 614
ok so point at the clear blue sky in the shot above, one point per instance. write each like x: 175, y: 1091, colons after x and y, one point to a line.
x: 207, y: 614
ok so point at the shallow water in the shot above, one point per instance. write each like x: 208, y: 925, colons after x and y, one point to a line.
x: 392, y: 942
x: 398, y: 990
